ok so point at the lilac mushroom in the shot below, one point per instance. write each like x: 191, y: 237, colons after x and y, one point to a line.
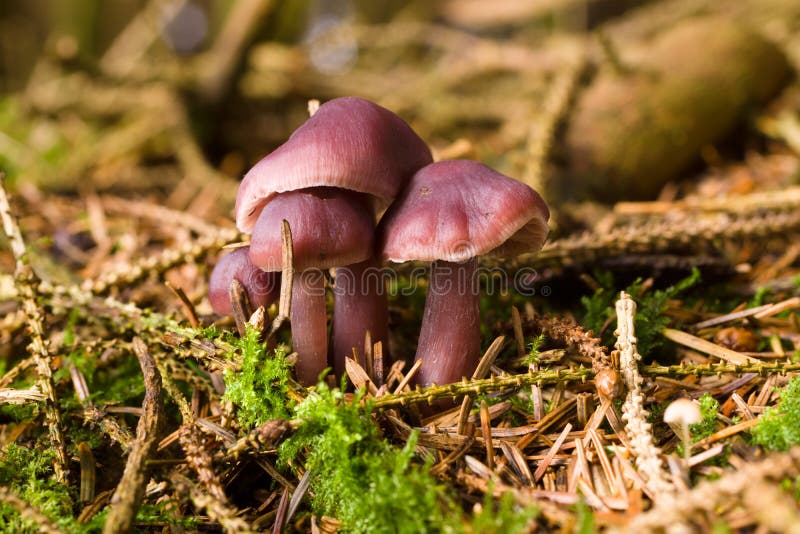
x: 365, y: 150
x: 329, y: 227
x: 262, y: 288
x: 450, y: 213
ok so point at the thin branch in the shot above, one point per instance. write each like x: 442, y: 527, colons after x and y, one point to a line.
x: 130, y: 491
x: 26, y: 284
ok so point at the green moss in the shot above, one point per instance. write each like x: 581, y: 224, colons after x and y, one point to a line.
x: 356, y: 475
x: 585, y: 519
x: 260, y: 388
x: 371, y: 485
x: 503, y: 517
x: 708, y: 409
x: 533, y: 353
x: 28, y: 473
x: 778, y: 427
x: 649, y: 320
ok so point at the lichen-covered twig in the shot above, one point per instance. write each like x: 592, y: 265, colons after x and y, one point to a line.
x: 26, y: 283
x: 130, y: 491
x: 29, y: 511
x: 574, y: 336
x: 648, y: 456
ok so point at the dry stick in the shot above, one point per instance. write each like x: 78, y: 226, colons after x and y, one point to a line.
x: 729, y: 317
x: 17, y: 370
x: 486, y: 432
x: 287, y: 279
x: 783, y: 199
x: 648, y: 456
x: 197, y: 456
x: 186, y: 304
x: 28, y: 511
x: 88, y: 472
x: 130, y: 491
x: 575, y: 336
x: 476, y: 387
x: 26, y: 282
x: 21, y: 396
x: 95, y: 415
x: 217, y: 510
x: 297, y: 496
x: 240, y: 302
x: 408, y: 376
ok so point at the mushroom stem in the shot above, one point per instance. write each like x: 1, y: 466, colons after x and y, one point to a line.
x: 359, y: 307
x: 309, y: 325
x: 686, y: 437
x: 449, y: 340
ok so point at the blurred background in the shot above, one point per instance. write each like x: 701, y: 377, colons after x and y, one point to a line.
x: 590, y: 101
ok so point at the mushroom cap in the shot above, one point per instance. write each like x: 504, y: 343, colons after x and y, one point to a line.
x: 349, y: 143
x: 683, y: 411
x: 459, y: 209
x: 330, y: 228
x: 262, y: 287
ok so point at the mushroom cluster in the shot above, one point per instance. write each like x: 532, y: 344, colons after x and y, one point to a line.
x: 349, y: 165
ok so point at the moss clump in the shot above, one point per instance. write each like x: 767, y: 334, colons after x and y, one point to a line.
x: 504, y: 517
x: 709, y: 406
x: 28, y: 473
x: 778, y: 427
x: 356, y: 475
x: 372, y: 486
x: 260, y: 389
x: 649, y: 320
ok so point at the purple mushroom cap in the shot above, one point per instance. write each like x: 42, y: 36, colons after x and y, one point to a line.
x: 460, y: 209
x: 451, y: 212
x: 348, y: 143
x: 262, y: 287
x: 330, y: 227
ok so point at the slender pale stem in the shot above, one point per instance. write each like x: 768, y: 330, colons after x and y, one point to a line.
x: 449, y: 340
x: 359, y: 307
x: 309, y: 325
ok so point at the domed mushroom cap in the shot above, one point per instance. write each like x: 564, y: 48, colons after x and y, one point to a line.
x: 349, y: 143
x: 262, y: 287
x: 330, y: 228
x: 456, y: 210
x: 683, y: 411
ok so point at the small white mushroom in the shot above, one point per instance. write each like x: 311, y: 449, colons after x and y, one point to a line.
x: 679, y: 415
